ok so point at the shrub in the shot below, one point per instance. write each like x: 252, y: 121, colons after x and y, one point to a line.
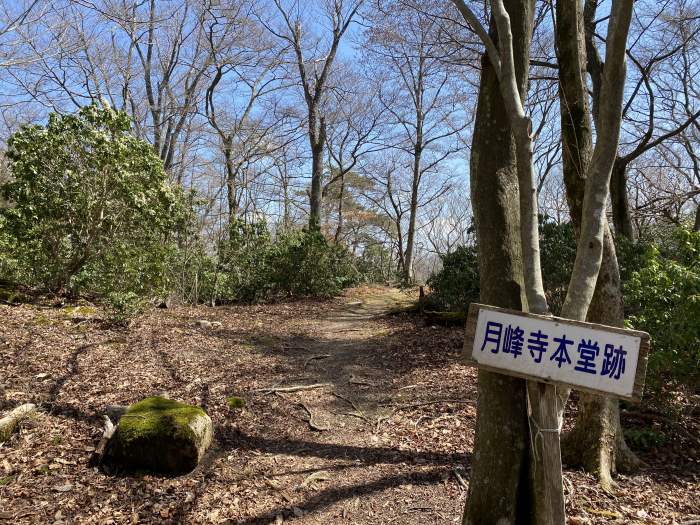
x: 254, y: 266
x: 662, y: 297
x: 304, y: 263
x: 457, y: 283
x: 376, y: 264
x: 90, y: 207
x: 245, y: 258
x: 558, y: 249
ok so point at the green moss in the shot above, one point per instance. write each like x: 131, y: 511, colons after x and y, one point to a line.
x: 42, y: 320
x: 157, y: 435
x: 234, y: 402
x: 6, y: 480
x: 80, y: 310
x: 157, y: 416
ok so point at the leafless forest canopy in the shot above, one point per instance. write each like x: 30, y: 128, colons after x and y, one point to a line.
x: 245, y: 100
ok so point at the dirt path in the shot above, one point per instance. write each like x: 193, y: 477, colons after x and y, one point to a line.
x: 386, y: 438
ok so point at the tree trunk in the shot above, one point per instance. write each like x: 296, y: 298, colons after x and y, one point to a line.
x: 410, y: 236
x: 622, y: 217
x: 590, y: 246
x: 696, y: 226
x: 499, y: 490
x: 415, y: 185
x: 316, y: 197
x: 339, y: 228
x: 597, y: 442
x: 230, y: 184
x: 596, y: 437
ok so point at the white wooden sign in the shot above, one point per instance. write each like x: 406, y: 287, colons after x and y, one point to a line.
x: 586, y: 356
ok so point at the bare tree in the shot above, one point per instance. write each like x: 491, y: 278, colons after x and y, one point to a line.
x: 244, y: 72
x: 418, y: 96
x: 314, y: 67
x: 354, y: 124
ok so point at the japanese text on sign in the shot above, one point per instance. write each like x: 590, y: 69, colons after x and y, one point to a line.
x: 550, y: 349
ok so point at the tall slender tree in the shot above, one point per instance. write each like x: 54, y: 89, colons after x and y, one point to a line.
x: 313, y: 76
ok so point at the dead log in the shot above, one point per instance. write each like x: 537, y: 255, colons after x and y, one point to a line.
x: 11, y: 421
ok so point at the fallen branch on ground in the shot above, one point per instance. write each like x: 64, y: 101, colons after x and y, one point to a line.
x: 314, y: 357
x: 11, y: 421
x: 427, y: 403
x: 317, y: 476
x: 359, y: 413
x: 359, y: 381
x: 293, y: 388
x: 460, y: 479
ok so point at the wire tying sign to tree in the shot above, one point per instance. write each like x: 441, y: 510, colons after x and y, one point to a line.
x: 586, y: 356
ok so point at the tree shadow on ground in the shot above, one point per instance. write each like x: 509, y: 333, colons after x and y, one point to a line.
x: 328, y: 497
x: 367, y: 455
x: 229, y: 438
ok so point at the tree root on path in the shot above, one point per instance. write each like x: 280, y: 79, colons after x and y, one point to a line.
x: 359, y: 413
x: 310, y: 421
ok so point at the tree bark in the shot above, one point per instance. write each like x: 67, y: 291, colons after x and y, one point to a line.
x: 499, y: 490
x: 339, y: 227
x: 589, y: 250
x: 317, y: 140
x: 589, y: 253
x: 619, y: 199
x: 597, y: 436
x: 597, y: 442
x: 545, y: 414
x: 413, y: 213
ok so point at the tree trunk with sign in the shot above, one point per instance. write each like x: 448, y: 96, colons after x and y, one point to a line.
x: 501, y: 428
x: 546, y: 412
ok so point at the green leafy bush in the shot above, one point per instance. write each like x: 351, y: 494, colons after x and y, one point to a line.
x: 244, y: 271
x: 558, y: 252
x: 254, y: 266
x: 304, y: 263
x: 90, y: 210
x: 645, y: 438
x: 457, y: 283
x: 376, y: 264
x: 662, y: 297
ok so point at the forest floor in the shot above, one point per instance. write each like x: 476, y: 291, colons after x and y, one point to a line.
x: 386, y: 439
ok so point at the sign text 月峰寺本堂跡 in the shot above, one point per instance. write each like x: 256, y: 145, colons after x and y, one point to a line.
x: 586, y: 356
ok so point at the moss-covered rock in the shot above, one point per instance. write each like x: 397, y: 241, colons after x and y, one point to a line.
x: 160, y: 435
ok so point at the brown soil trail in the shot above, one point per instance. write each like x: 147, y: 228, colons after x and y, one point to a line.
x: 384, y: 436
